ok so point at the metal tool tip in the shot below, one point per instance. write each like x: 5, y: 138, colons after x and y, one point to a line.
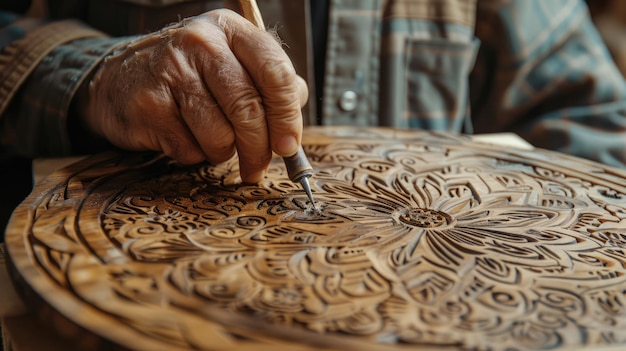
x: 307, y: 188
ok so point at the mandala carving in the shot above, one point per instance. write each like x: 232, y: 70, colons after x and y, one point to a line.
x: 419, y: 239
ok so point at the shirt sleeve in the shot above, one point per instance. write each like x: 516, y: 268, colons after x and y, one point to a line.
x: 549, y: 78
x: 42, y: 64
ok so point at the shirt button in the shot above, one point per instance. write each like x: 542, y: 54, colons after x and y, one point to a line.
x: 348, y: 101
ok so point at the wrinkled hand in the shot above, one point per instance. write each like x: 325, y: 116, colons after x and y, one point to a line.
x: 199, y: 90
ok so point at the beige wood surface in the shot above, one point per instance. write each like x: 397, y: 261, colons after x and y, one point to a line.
x: 421, y: 238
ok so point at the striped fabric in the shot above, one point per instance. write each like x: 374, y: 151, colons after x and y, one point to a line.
x: 42, y: 64
x: 534, y: 67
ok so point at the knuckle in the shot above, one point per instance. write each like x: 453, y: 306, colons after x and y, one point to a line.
x: 222, y: 142
x: 147, y: 102
x: 145, y: 99
x: 180, y: 149
x: 278, y: 73
x: 197, y: 32
x: 258, y: 160
x: 217, y: 157
x: 171, y: 146
x: 246, y: 112
x: 219, y: 147
x: 221, y: 17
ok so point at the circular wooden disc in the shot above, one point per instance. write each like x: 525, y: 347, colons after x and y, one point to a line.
x: 420, y: 239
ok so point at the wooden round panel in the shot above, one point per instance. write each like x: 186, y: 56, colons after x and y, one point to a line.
x: 420, y: 239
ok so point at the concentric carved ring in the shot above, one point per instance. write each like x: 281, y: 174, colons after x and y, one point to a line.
x: 421, y: 240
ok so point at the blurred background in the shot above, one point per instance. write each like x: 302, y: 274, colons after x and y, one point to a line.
x: 609, y: 17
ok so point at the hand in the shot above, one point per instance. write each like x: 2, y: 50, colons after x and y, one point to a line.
x: 199, y: 90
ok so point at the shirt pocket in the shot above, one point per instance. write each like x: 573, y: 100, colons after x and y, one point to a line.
x: 427, y: 86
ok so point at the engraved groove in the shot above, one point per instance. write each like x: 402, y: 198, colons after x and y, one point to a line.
x: 450, y: 244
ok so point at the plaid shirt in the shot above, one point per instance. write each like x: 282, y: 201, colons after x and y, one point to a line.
x: 534, y: 67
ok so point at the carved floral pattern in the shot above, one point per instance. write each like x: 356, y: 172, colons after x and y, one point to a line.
x: 426, y: 241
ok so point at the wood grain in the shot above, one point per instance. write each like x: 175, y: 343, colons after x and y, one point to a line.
x: 423, y: 240
x: 250, y: 10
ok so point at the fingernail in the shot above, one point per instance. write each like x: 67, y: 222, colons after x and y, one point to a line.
x: 287, y: 145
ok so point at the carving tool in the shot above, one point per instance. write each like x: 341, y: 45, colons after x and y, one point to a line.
x: 298, y: 167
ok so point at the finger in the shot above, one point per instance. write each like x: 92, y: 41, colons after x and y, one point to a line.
x: 199, y: 110
x: 139, y: 110
x: 161, y: 127
x: 237, y: 96
x: 210, y: 128
x: 303, y: 89
x: 274, y: 77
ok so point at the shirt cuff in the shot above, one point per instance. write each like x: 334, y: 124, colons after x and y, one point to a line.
x: 48, y: 93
